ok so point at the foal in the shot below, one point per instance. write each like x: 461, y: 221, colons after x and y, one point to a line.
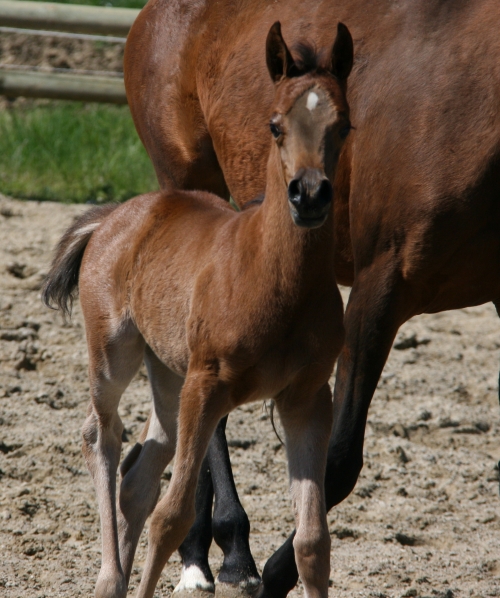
x: 224, y: 308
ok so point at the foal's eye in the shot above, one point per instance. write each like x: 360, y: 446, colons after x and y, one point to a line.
x: 275, y: 130
x: 344, y: 131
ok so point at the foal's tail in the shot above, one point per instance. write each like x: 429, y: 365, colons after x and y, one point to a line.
x: 59, y: 288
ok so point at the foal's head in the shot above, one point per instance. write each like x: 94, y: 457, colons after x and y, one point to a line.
x: 310, y: 120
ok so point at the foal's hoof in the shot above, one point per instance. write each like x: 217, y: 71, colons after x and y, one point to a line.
x: 110, y: 586
x: 246, y: 589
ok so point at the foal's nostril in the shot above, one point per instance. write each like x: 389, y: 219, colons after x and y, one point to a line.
x: 324, y: 193
x: 294, y: 191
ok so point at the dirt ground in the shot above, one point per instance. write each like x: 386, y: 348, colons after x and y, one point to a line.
x: 422, y: 521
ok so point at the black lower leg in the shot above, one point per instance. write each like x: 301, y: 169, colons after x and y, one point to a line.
x: 194, y: 549
x: 230, y: 524
x: 280, y: 573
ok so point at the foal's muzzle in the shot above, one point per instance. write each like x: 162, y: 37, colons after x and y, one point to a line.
x: 310, y: 194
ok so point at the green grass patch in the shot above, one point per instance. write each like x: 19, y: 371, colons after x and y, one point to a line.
x: 115, y: 3
x: 72, y: 152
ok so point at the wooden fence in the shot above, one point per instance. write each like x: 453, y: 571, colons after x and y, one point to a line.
x: 88, y: 22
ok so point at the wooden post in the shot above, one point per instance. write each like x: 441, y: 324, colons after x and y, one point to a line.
x: 62, y: 86
x: 67, y: 17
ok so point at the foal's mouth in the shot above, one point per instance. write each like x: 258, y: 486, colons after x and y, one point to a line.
x: 309, y: 221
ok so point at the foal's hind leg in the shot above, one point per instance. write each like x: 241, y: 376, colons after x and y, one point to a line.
x: 203, y: 402
x: 113, y: 361
x: 143, y: 467
x: 307, y: 425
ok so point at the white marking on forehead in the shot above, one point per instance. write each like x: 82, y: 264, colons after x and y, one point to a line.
x: 312, y: 101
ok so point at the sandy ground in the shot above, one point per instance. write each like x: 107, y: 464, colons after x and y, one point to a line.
x: 422, y: 521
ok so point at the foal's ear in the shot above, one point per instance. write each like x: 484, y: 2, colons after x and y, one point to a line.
x: 342, y: 53
x: 278, y: 57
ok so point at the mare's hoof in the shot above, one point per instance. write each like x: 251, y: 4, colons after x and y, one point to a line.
x: 192, y: 593
x: 247, y: 589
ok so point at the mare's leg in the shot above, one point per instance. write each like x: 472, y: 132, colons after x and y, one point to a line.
x: 377, y: 307
x: 196, y: 574
x: 142, y: 469
x: 113, y: 361
x: 203, y: 402
x: 379, y: 304
x: 231, y: 528
x: 307, y: 425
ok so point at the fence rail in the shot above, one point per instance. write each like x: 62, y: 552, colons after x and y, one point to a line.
x: 88, y: 21
x: 73, y: 18
x: 62, y: 86
x: 110, y: 39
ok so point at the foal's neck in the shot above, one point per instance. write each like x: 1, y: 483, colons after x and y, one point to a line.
x: 295, y: 252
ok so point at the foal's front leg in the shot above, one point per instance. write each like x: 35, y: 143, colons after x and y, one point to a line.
x: 370, y: 330
x: 307, y: 424
x: 204, y: 400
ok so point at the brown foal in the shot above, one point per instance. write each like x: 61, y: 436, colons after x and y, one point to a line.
x: 224, y: 308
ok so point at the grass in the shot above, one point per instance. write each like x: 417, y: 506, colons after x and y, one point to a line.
x: 72, y: 152
x: 116, y: 3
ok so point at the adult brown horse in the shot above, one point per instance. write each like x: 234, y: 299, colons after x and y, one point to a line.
x: 222, y: 300
x: 417, y: 194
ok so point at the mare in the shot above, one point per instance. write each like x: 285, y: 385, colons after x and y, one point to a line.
x: 224, y: 308
x: 417, y: 191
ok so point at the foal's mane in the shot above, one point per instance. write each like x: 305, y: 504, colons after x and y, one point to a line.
x: 308, y: 59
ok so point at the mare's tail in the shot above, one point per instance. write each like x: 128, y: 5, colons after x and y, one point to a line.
x: 60, y: 286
